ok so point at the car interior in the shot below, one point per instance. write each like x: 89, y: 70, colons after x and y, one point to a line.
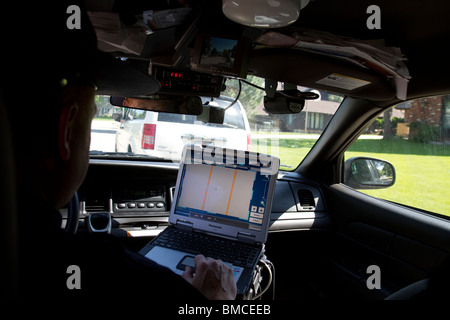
x: 324, y: 234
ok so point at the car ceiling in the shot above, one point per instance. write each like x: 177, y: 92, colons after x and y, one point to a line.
x: 418, y: 28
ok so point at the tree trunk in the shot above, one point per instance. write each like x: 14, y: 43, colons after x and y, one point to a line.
x: 387, y: 130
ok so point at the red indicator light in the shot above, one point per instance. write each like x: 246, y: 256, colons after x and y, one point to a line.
x: 176, y: 75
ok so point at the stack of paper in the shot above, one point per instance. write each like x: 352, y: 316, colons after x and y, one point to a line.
x: 113, y: 35
x: 371, y: 54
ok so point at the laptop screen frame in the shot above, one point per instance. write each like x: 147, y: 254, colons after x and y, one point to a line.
x: 203, y: 155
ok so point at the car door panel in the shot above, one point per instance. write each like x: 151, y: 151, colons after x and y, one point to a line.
x: 406, y: 245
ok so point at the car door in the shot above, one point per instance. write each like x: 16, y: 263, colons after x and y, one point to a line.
x: 382, y: 242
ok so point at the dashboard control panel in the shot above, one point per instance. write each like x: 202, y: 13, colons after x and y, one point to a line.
x: 139, y: 200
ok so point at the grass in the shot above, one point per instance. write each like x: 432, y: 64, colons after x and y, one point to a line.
x: 422, y: 172
x: 290, y: 151
x: 422, y: 169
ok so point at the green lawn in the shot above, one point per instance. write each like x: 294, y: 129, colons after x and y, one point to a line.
x: 290, y: 151
x: 422, y: 170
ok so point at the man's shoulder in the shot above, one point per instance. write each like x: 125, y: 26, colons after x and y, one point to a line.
x: 107, y: 267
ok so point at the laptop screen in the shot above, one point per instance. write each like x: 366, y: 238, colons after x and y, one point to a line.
x: 226, y: 187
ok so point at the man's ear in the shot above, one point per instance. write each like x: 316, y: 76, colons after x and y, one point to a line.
x: 66, y: 126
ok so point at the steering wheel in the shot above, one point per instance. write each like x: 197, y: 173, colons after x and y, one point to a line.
x: 73, y: 215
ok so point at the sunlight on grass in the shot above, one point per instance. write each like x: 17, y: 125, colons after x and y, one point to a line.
x: 422, y: 170
x: 290, y: 151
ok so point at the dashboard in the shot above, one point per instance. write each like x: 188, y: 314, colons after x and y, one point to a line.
x: 138, y: 195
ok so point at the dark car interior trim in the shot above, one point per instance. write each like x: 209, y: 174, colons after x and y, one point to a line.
x: 299, y: 205
x: 323, y: 235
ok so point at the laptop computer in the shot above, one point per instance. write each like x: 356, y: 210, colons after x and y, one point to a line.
x: 221, y: 208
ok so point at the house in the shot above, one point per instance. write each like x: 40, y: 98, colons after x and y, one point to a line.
x: 430, y: 112
x: 313, y: 119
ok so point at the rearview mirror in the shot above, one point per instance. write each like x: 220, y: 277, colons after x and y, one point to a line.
x: 368, y: 173
x: 192, y: 105
x: 162, y: 103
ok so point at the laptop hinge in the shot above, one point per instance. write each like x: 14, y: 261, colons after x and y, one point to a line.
x: 246, y: 237
x: 185, y: 225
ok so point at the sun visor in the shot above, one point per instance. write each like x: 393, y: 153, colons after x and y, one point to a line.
x: 320, y: 72
x: 126, y: 78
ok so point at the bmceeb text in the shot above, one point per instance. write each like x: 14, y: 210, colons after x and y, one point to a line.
x: 225, y: 309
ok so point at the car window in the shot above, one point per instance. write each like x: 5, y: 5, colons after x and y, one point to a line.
x: 233, y: 117
x: 135, y: 114
x: 414, y: 137
x: 176, y: 118
x: 247, y: 125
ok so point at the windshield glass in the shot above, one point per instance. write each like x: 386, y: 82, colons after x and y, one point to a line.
x: 125, y: 132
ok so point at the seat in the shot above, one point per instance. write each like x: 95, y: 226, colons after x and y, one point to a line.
x: 411, y: 291
x: 8, y: 216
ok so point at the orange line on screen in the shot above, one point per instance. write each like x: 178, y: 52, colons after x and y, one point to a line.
x: 207, y: 186
x: 231, y: 192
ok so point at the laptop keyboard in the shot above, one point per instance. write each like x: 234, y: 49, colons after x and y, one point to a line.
x: 239, y: 254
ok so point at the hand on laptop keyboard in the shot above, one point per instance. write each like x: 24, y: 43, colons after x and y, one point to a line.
x: 212, y: 278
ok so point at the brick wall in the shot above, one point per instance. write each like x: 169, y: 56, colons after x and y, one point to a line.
x: 428, y: 110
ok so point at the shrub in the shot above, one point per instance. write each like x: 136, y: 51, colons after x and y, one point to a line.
x: 422, y: 132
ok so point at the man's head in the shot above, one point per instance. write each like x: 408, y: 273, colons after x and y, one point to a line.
x: 51, y: 141
x: 69, y: 162
x: 49, y: 76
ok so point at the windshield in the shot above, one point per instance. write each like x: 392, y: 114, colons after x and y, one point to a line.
x: 125, y: 132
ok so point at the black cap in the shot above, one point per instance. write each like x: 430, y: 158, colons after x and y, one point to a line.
x: 52, y: 44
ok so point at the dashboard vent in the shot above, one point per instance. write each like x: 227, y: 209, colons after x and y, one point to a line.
x: 92, y: 207
x: 172, y: 193
x: 306, y: 199
x: 96, y: 205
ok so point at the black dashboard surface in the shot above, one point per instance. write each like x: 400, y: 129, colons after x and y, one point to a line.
x: 138, y: 195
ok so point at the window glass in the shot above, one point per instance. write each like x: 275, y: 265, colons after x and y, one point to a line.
x: 176, y: 118
x: 413, y: 136
x: 233, y: 117
x: 135, y: 114
x: 247, y: 125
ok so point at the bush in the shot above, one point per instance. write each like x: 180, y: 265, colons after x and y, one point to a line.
x: 396, y: 120
x: 422, y: 132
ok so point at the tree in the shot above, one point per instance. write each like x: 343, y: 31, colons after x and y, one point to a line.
x: 387, y: 130
x: 250, y: 96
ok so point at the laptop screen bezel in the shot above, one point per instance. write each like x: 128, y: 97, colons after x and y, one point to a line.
x: 259, y: 236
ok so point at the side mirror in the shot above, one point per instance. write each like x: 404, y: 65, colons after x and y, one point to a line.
x: 368, y: 173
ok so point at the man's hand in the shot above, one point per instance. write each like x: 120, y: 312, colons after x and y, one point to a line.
x: 213, y: 278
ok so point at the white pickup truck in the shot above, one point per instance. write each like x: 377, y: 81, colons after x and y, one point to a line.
x: 153, y: 133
